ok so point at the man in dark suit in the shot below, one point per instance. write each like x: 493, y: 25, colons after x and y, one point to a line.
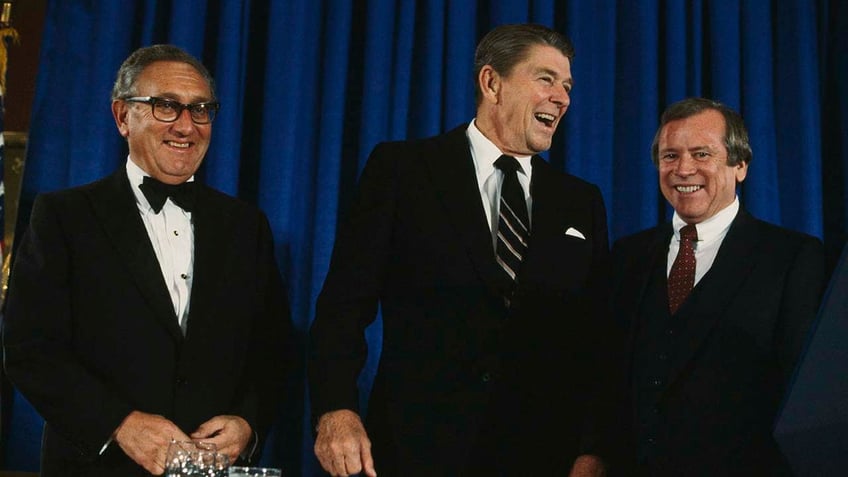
x: 134, y: 318
x: 491, y: 341
x: 719, y: 305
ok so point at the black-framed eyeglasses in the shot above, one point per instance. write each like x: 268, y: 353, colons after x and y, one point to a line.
x: 168, y: 110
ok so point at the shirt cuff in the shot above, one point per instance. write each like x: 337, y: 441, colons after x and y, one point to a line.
x: 250, y: 450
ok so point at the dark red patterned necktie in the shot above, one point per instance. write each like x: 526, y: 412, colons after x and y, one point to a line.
x: 681, y: 278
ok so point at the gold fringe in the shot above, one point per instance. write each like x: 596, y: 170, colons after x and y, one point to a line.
x: 6, y: 34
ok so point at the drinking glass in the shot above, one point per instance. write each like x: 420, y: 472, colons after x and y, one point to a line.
x: 195, y: 459
x: 211, y: 464
x: 255, y: 472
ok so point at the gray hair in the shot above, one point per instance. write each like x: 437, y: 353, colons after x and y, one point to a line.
x: 141, y: 58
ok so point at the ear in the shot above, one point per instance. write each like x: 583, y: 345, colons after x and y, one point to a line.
x: 741, y: 171
x: 489, y: 82
x: 120, y: 111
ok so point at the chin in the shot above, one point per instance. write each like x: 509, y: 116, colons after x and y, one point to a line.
x: 539, y: 147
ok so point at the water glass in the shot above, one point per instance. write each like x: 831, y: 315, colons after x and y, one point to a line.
x: 255, y: 472
x: 195, y: 459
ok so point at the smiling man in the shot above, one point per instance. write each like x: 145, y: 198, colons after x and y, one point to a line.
x: 719, y: 305
x: 490, y: 268
x: 146, y: 307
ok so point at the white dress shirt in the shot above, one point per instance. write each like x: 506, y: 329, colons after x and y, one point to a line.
x: 172, y: 236
x: 484, y: 153
x: 711, y: 233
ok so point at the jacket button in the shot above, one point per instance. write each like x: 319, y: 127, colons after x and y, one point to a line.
x: 485, y: 377
x: 181, y: 381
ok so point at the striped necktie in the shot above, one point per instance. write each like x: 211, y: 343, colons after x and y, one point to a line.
x: 513, y: 222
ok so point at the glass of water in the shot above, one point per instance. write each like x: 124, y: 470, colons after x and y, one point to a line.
x: 255, y: 472
x: 195, y: 459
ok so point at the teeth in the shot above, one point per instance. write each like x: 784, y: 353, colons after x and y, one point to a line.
x: 545, y: 117
x: 181, y: 145
x: 691, y: 188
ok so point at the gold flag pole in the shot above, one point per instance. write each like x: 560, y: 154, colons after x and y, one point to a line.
x: 7, y: 35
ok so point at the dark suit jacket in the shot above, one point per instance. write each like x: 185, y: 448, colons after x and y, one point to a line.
x: 463, y: 378
x: 91, y: 334
x: 740, y: 333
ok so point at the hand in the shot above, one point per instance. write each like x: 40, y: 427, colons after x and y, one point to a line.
x: 342, y: 445
x: 230, y: 433
x: 145, y: 438
x: 588, y: 466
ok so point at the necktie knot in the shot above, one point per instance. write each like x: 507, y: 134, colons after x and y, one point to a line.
x: 157, y: 193
x: 507, y: 164
x: 689, y: 232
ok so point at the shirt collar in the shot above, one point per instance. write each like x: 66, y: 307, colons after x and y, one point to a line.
x: 484, y: 153
x: 712, y: 228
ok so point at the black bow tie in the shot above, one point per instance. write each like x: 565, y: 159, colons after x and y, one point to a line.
x: 158, y: 192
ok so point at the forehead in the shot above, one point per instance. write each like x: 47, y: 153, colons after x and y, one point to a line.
x: 703, y: 129
x: 546, y: 57
x: 172, y: 78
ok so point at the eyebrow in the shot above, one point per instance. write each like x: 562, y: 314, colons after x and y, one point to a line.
x: 169, y: 95
x: 689, y: 149
x: 704, y: 147
x: 553, y: 73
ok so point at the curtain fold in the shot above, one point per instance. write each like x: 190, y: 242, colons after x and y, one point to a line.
x: 309, y: 87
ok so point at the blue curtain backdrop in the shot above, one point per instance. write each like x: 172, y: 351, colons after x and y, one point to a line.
x: 308, y: 87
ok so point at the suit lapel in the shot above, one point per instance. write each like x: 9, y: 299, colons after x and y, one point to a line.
x: 452, y: 171
x: 210, y: 220
x: 655, y: 256
x: 544, y: 194
x: 550, y: 214
x: 114, y: 204
x: 713, y: 294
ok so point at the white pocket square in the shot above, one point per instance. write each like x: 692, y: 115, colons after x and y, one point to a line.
x: 575, y: 233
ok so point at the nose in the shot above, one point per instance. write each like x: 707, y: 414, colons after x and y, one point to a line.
x: 686, y: 165
x: 561, y: 96
x: 183, y: 122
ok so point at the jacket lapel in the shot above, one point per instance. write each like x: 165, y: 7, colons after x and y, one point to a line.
x: 211, y: 241
x: 550, y: 215
x: 452, y: 171
x: 114, y: 204
x: 713, y: 294
x: 655, y: 256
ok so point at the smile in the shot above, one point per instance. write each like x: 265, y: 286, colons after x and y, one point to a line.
x: 546, y: 118
x: 181, y: 145
x: 688, y: 189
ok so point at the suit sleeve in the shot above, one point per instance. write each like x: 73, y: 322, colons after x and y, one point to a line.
x: 348, y: 300
x: 37, y: 340
x: 605, y: 372
x: 274, y: 358
x: 799, y: 303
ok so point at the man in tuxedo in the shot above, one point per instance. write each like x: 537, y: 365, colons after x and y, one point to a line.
x: 490, y: 268
x: 719, y: 305
x: 146, y: 307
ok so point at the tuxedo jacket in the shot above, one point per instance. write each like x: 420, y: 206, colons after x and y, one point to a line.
x: 729, y: 351
x: 91, y: 333
x: 470, y: 371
